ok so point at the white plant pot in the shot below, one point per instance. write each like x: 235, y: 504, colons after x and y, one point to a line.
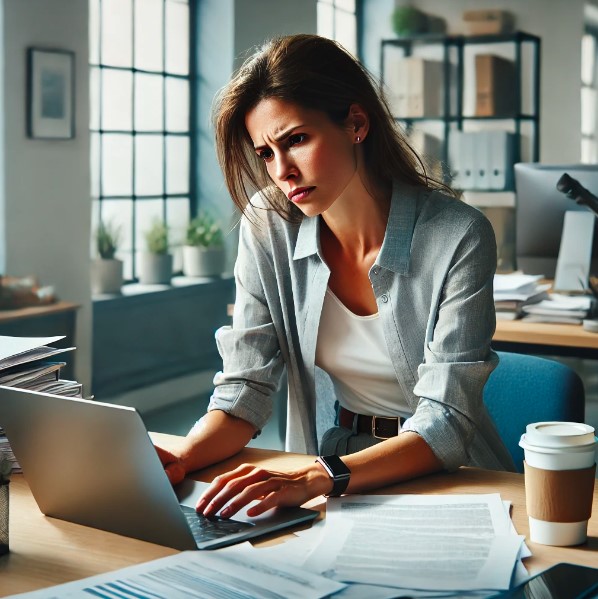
x: 106, y: 276
x: 155, y: 269
x: 202, y: 261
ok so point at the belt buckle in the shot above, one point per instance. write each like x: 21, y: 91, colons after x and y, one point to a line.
x: 374, y: 418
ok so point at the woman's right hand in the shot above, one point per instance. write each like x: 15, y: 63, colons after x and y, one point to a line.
x: 173, y: 465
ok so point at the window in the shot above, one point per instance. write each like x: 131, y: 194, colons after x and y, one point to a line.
x: 141, y: 95
x: 337, y: 19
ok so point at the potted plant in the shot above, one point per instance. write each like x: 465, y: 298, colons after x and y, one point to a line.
x: 5, y: 469
x: 106, y: 270
x: 156, y: 263
x: 203, y: 252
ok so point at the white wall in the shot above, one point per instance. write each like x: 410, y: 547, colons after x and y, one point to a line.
x: 228, y: 30
x: 45, y: 207
x: 558, y: 23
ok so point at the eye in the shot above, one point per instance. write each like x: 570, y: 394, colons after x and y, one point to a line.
x: 266, y: 154
x: 296, y: 138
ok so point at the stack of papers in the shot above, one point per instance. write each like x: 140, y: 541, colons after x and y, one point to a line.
x: 559, y: 308
x: 25, y: 363
x: 514, y: 291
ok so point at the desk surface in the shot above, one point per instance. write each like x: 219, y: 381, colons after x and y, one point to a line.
x: 46, y: 551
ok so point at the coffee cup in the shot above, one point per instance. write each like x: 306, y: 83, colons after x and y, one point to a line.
x: 560, y: 469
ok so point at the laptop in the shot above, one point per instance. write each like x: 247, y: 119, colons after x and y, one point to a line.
x: 94, y: 464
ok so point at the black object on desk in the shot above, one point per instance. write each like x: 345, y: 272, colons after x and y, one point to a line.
x: 574, y: 190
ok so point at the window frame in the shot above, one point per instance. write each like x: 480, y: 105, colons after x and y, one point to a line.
x: 136, y: 198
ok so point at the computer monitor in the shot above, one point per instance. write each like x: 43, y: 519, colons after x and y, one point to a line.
x: 539, y: 213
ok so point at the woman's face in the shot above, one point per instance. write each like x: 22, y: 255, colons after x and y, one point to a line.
x: 308, y: 157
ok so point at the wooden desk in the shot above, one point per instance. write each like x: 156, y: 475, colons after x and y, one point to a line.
x: 545, y: 338
x: 46, y: 551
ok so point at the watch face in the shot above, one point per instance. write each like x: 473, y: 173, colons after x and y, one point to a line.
x: 335, y: 466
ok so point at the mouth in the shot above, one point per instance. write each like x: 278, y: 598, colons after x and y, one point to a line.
x: 299, y: 194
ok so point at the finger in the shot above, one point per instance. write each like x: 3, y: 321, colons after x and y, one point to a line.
x: 269, y: 502
x: 256, y: 492
x: 239, y: 492
x: 219, y: 483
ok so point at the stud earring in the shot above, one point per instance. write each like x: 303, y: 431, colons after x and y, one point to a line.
x: 357, y: 139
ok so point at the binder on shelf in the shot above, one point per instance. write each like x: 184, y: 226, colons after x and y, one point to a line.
x: 501, y: 150
x: 467, y: 153
x: 481, y: 160
x: 495, y: 86
x: 454, y: 158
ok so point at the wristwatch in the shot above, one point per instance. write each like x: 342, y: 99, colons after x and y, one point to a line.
x: 338, y: 471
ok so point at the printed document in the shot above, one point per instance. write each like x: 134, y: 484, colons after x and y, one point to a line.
x: 428, y: 542
x: 205, y: 574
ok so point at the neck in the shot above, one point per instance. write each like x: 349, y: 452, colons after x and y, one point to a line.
x: 356, y: 222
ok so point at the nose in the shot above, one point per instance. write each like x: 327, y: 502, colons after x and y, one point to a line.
x: 285, y: 167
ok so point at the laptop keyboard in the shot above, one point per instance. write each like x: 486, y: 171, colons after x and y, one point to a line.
x: 208, y: 529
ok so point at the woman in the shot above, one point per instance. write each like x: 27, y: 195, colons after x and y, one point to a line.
x: 350, y: 259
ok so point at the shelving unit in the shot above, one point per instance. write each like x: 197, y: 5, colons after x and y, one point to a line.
x: 454, y: 116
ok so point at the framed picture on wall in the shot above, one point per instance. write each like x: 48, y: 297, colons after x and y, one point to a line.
x: 50, y: 94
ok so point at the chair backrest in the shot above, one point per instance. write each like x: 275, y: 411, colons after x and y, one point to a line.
x: 524, y: 389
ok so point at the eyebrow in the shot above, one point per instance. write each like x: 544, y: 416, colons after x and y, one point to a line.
x: 281, y: 136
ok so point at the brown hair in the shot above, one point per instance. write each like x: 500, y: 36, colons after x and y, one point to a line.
x: 316, y: 73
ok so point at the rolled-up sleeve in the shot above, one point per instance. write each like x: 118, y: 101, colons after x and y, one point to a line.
x: 457, y: 355
x: 250, y: 350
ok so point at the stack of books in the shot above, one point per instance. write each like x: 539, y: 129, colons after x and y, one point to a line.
x: 514, y: 292
x: 563, y: 309
x: 28, y: 363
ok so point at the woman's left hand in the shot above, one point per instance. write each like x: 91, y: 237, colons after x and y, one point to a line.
x: 248, y: 483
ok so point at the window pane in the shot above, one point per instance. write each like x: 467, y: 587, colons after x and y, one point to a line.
x: 95, y: 164
x: 117, y: 28
x: 94, y: 98
x: 149, y: 110
x: 588, y: 57
x: 148, y: 35
x: 325, y: 18
x: 95, y: 219
x: 117, y: 100
x: 588, y: 111
x: 120, y: 213
x: 146, y: 212
x: 589, y: 151
x: 177, y: 38
x: 347, y: 5
x: 177, y: 164
x: 148, y: 165
x: 117, y: 162
x: 94, y: 30
x: 178, y: 215
x: 345, y: 31
x: 177, y: 104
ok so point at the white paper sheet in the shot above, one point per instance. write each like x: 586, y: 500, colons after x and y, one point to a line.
x: 223, y: 573
x: 464, y: 540
x: 11, y: 346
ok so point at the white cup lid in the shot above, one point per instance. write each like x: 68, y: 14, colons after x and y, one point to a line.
x: 559, y: 434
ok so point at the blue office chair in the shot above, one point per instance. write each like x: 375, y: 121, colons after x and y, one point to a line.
x: 524, y: 389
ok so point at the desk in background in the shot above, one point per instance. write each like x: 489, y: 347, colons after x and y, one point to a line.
x: 46, y: 551
x: 44, y: 321
x: 545, y: 339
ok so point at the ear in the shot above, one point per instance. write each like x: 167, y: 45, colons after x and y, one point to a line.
x: 358, y: 123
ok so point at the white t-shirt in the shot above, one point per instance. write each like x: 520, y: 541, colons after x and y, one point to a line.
x: 353, y: 351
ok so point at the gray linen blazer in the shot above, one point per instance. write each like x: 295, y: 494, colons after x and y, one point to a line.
x: 433, y: 285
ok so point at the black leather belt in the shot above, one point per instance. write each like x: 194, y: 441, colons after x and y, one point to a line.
x: 380, y: 427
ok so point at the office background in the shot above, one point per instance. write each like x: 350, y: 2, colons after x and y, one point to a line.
x: 45, y: 197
